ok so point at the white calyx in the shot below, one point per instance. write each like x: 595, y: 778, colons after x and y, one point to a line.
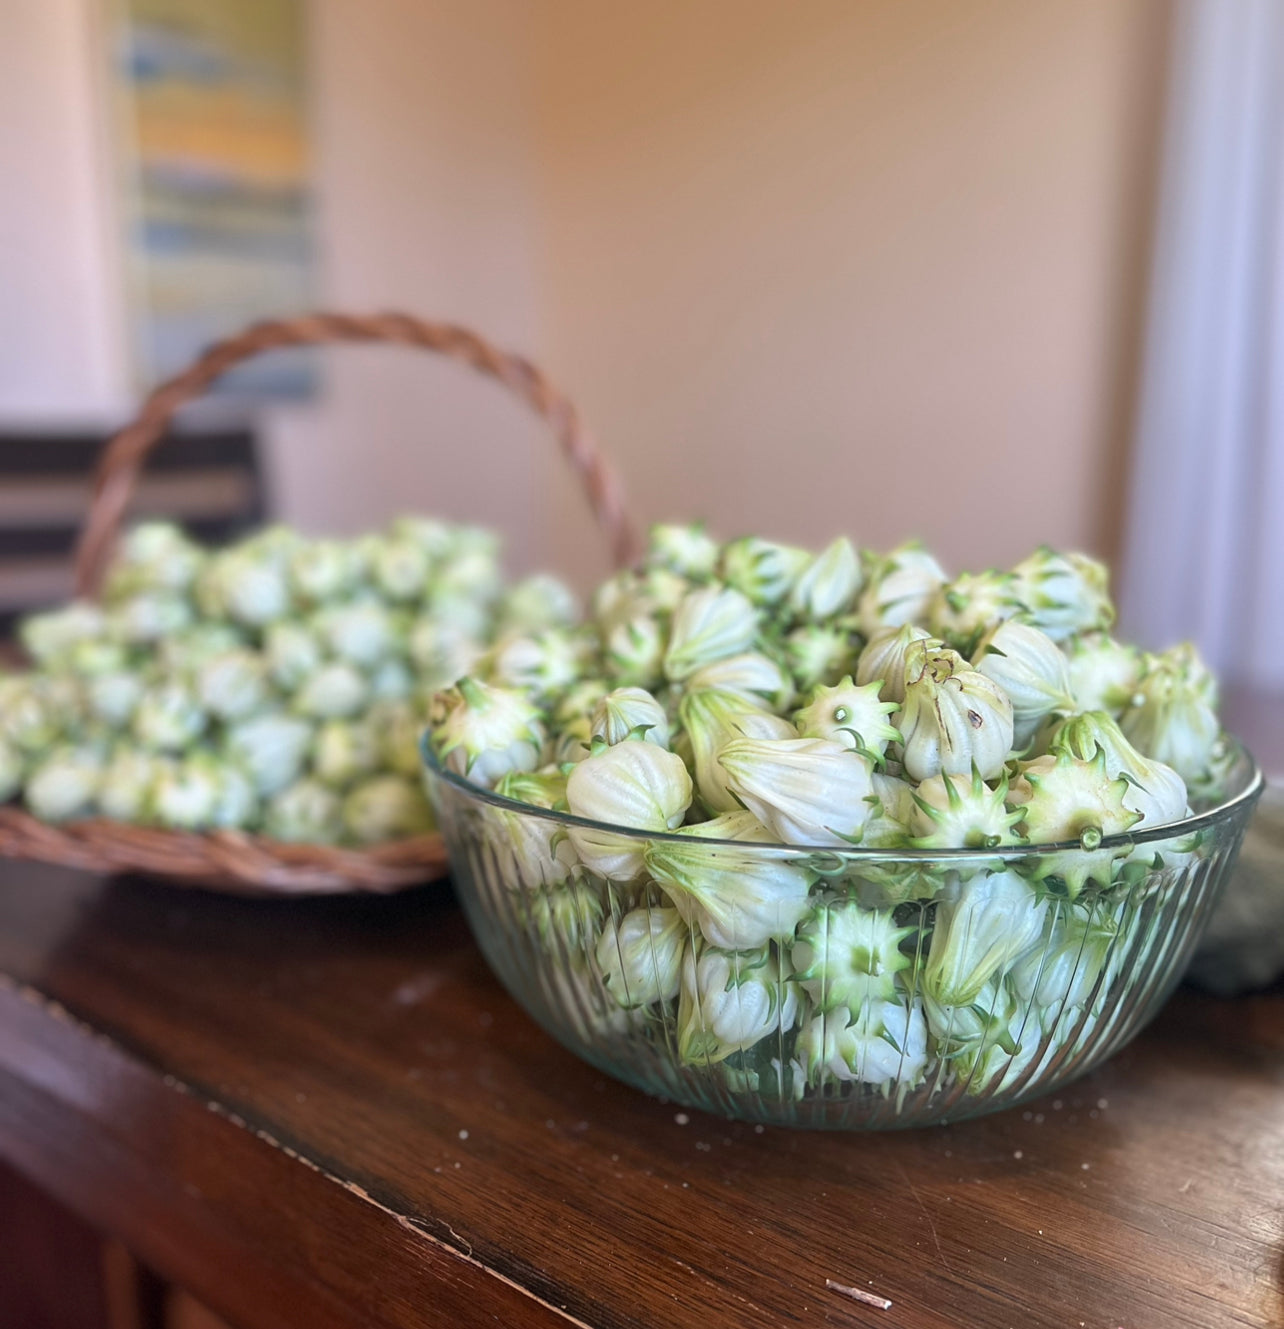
x: 953, y: 718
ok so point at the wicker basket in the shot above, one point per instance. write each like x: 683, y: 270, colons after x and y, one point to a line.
x: 234, y: 861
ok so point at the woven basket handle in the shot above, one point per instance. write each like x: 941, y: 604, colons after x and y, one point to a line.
x: 124, y: 455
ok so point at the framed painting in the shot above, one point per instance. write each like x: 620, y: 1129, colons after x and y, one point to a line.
x: 215, y: 169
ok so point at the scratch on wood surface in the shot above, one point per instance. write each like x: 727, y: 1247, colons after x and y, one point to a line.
x: 713, y: 1283
x: 859, y: 1294
x: 940, y: 1250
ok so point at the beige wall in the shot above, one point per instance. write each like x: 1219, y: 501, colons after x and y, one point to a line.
x: 424, y: 164
x: 865, y: 266
x: 60, y: 351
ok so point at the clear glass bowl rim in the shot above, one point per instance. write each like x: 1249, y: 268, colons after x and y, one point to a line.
x: 1254, y: 783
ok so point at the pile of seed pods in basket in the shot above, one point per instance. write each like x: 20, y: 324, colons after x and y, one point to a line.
x: 754, y: 693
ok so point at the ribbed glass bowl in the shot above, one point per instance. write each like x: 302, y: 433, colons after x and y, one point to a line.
x: 940, y: 998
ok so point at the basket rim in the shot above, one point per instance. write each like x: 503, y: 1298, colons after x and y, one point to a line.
x: 230, y: 861
x: 1245, y: 764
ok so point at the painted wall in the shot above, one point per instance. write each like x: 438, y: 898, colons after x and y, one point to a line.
x: 425, y: 166
x: 61, y: 353
x: 868, y: 267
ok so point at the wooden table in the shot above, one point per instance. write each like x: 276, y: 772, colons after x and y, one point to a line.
x: 329, y: 1114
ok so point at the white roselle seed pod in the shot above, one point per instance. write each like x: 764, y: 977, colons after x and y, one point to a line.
x: 711, y: 623
x: 663, y: 589
x: 820, y: 653
x: 457, y: 616
x: 1065, y: 969
x: 533, y: 850
x: 1063, y: 797
x: 52, y: 636
x: 961, y: 812
x: 392, y: 681
x: 442, y: 651
x: 1155, y: 790
x: 254, y: 586
x: 571, y: 741
x: 619, y: 598
x: 756, y: 677
x: 112, y: 698
x: 973, y: 602
x: 986, y: 924
x: 150, y: 617
x: 486, y: 732
x: 964, y: 1030
x: 808, y: 791
x: 98, y: 657
x: 883, y: 1043
x: 711, y: 719
x: 334, y: 691
x: 237, y: 804
x: 1103, y: 672
x: 846, y: 955
x: 544, y: 663
x: 687, y: 550
x: 891, y: 813
x: 168, y: 718
x: 293, y: 654
x: 362, y: 632
x: 1172, y: 718
x: 640, y: 959
x: 400, y: 567
x: 737, y: 825
x: 127, y: 782
x: 579, y: 700
x: 631, y: 713
x: 538, y: 602
x: 731, y: 1001
x: 636, y: 785
x: 387, y: 807
x: 900, y: 589
x: 1027, y: 664
x: 540, y: 791
x: 953, y: 718
x: 438, y: 539
x: 234, y: 685
x: 1064, y: 593
x: 345, y: 751
x: 850, y: 715
x: 469, y: 574
x: 323, y: 570
x: 885, y: 657
x: 65, y: 784
x: 185, y: 793
x: 829, y: 584
x: 739, y: 898
x: 1185, y: 661
x: 400, y: 729
x: 271, y: 749
x: 764, y: 571
x: 153, y: 556
x: 306, y: 812
x: 634, y: 649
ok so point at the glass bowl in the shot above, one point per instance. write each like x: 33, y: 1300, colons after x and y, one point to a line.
x: 849, y: 989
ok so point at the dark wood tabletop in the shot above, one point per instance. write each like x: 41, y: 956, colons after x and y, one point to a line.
x: 328, y: 1113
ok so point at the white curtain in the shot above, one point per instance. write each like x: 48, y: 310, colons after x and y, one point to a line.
x: 1204, y: 555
